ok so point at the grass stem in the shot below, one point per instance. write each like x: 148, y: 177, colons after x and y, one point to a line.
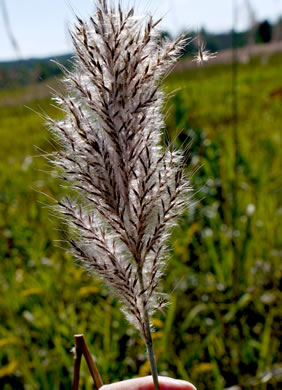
x: 148, y: 337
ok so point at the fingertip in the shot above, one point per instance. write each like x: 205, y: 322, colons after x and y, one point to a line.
x: 167, y: 383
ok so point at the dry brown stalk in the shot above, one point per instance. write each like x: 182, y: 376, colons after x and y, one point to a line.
x: 82, y: 349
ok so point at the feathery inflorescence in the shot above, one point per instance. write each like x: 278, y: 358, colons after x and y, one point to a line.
x: 130, y: 188
x: 203, y: 55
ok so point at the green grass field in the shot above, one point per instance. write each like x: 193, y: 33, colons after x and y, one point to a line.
x: 223, y: 325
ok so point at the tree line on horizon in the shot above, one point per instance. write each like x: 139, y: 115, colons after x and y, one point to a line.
x: 36, y: 70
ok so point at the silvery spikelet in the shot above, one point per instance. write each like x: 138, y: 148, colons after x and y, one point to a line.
x: 130, y: 189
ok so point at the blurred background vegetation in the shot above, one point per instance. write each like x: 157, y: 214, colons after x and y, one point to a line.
x: 222, y: 328
x: 26, y: 71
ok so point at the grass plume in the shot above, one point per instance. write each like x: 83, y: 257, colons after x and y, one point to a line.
x: 131, y: 190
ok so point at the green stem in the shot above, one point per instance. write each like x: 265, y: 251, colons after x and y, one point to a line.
x: 148, y: 336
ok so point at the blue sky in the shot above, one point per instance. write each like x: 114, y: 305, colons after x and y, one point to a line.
x: 40, y: 26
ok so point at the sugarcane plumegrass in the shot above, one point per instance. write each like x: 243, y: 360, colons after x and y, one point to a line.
x: 130, y: 189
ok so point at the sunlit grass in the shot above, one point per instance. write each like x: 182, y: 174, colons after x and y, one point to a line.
x: 223, y: 325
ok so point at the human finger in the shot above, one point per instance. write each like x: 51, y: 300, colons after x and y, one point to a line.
x: 146, y: 383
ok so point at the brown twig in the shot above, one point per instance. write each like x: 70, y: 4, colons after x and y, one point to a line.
x: 77, y: 361
x: 82, y: 349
